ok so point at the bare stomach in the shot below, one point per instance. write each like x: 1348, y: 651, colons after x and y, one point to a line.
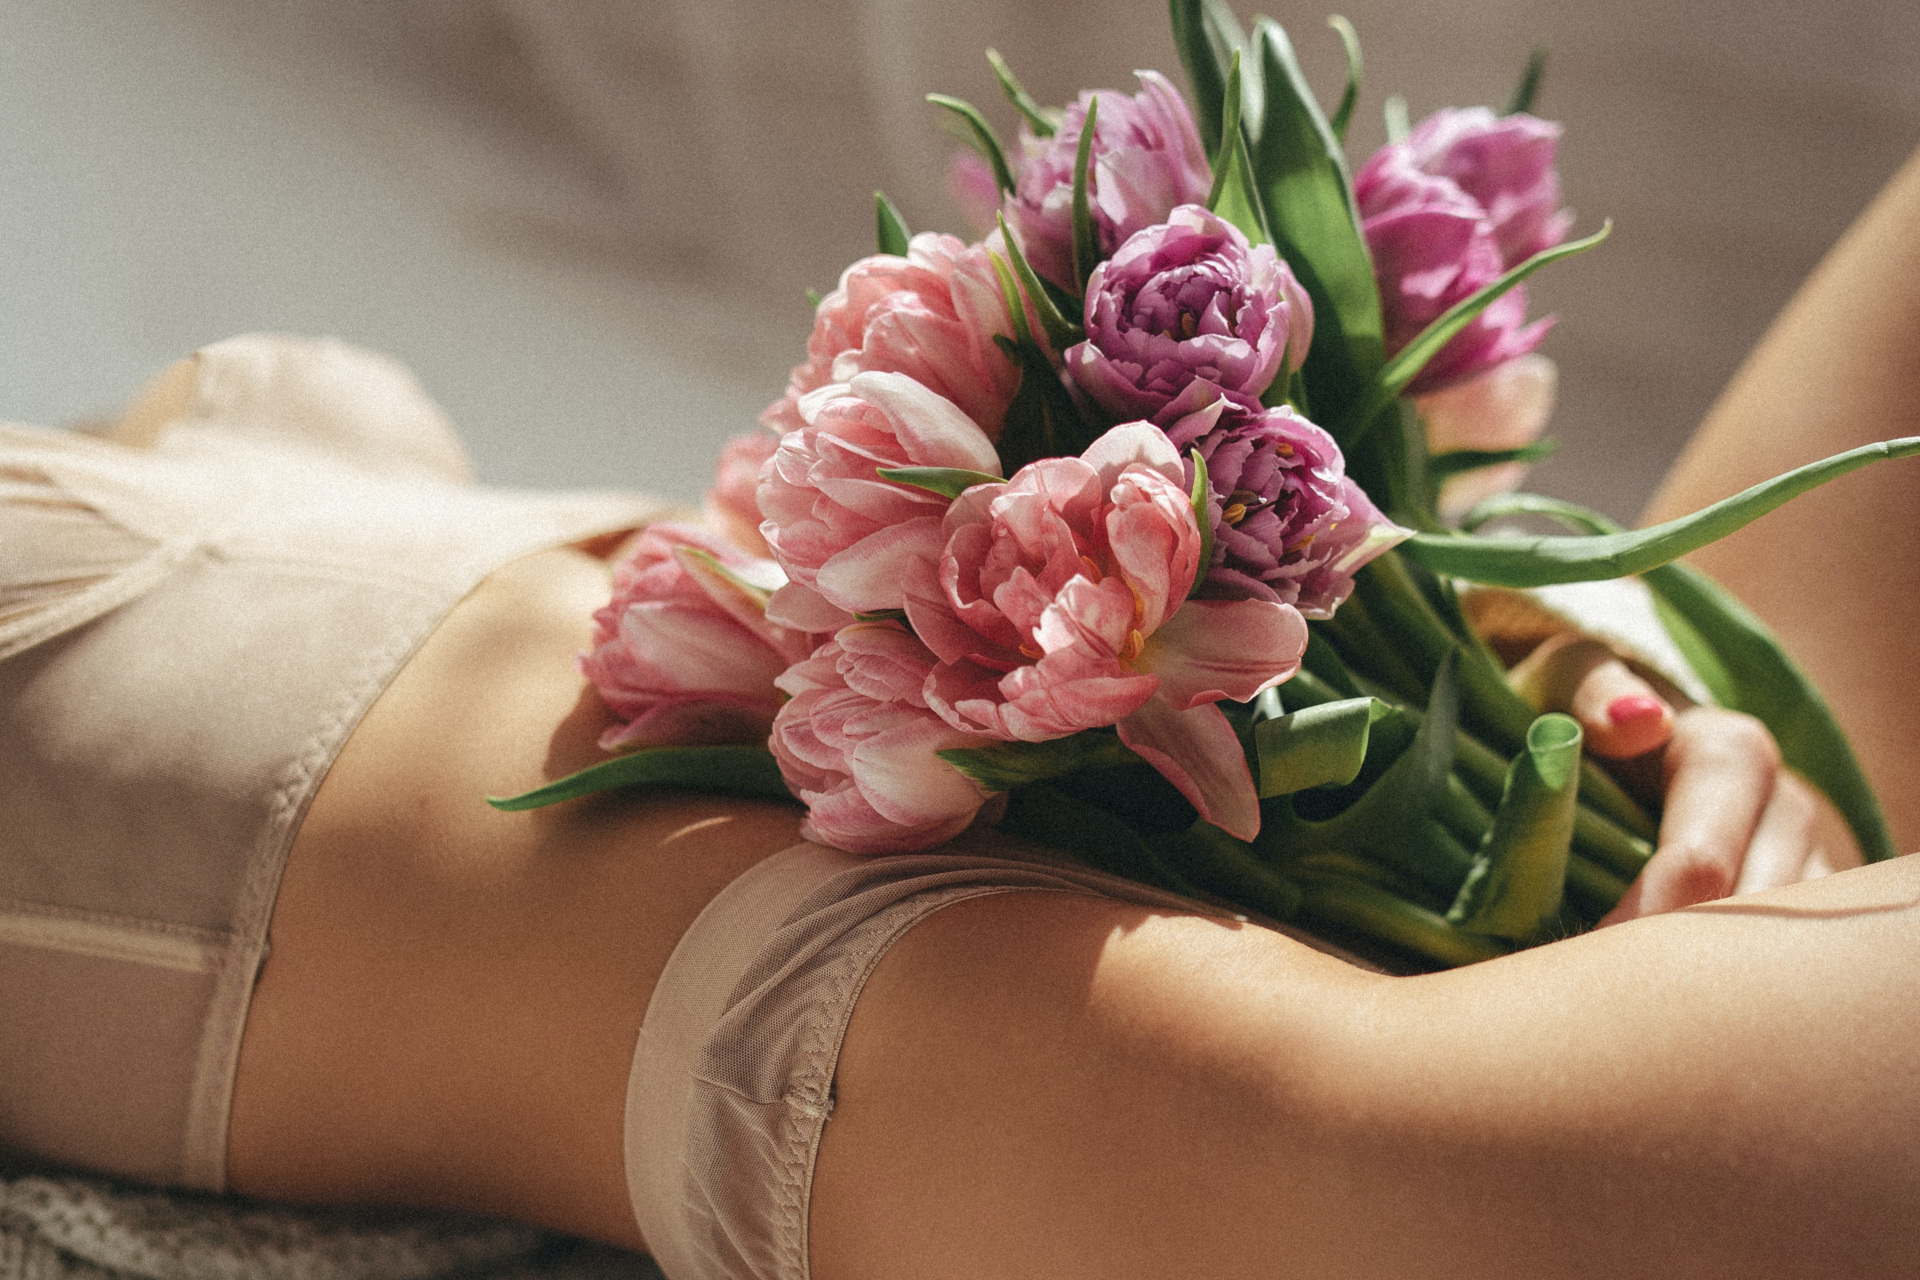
x: 448, y: 1013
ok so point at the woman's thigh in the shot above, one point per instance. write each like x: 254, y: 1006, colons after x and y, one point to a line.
x: 1837, y: 572
x: 1036, y: 1086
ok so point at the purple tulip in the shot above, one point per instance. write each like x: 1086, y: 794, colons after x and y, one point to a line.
x: 1185, y: 309
x: 1146, y: 159
x: 1434, y: 245
x: 1506, y: 164
x: 1288, y: 526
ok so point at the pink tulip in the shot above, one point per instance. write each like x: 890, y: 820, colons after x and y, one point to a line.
x: 1433, y: 245
x: 683, y: 653
x: 971, y: 187
x: 856, y: 743
x: 1146, y: 159
x: 931, y: 315
x: 1058, y: 603
x: 840, y: 531
x: 731, y: 507
x: 1506, y: 163
x: 1506, y: 407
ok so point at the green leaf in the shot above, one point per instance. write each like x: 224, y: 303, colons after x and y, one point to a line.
x: 1537, y: 560
x: 1214, y: 861
x: 1756, y: 675
x: 1043, y: 122
x: 1308, y: 200
x: 1516, y: 886
x: 1086, y: 245
x: 1412, y: 358
x: 1051, y: 817
x: 1350, y: 42
x: 698, y: 562
x: 1529, y: 87
x: 948, y: 482
x: 1770, y: 686
x: 890, y: 229
x: 980, y: 135
x: 815, y: 298
x: 1202, y: 516
x: 1006, y: 765
x: 1444, y: 466
x: 1207, y: 35
x: 1393, y: 820
x: 1010, y: 294
x: 1380, y: 914
x: 734, y: 771
x: 1234, y: 196
x: 1042, y: 421
x: 1061, y: 332
x: 1314, y: 746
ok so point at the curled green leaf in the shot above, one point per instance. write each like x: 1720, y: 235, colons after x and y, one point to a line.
x: 1516, y: 885
x: 979, y: 135
x: 1043, y: 122
x: 1314, y: 746
x: 1350, y: 44
x: 1444, y: 466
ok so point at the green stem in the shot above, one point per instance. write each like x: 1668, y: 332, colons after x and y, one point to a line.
x: 1592, y: 889
x: 1377, y: 913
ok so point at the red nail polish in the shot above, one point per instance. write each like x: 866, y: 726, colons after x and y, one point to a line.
x: 1633, y: 708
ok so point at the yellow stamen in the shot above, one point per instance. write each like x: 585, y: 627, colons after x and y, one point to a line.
x: 1131, y: 650
x: 1187, y: 327
x: 1235, y: 513
x: 1093, y: 570
x: 1029, y: 651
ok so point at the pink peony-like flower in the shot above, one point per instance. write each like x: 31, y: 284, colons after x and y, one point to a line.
x: 1288, y: 525
x: 1188, y: 307
x: 683, y: 653
x: 856, y: 743
x: 1506, y: 407
x: 731, y: 506
x: 836, y: 527
x: 1146, y: 159
x: 1058, y: 603
x: 931, y: 315
x: 1506, y: 164
x: 1433, y: 245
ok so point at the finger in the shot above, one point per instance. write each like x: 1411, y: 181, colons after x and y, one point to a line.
x: 1783, y: 841
x: 1620, y: 713
x: 1721, y: 768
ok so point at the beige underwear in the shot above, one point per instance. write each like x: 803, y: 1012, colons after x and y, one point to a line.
x: 195, y: 611
x: 732, y: 1080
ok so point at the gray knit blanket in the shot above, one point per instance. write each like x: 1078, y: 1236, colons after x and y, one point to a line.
x: 59, y: 1226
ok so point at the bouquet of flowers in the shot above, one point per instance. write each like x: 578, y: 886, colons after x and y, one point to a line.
x: 1141, y: 523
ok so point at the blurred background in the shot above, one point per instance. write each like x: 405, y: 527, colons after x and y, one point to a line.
x: 588, y: 224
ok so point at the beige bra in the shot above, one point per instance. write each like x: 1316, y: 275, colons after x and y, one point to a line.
x: 195, y: 611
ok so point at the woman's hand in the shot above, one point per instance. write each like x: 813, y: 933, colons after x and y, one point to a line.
x: 1734, y: 821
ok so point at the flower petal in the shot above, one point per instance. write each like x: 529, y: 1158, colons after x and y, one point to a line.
x: 1214, y: 649
x: 1198, y: 752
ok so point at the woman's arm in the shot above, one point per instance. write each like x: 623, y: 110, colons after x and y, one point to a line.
x: 1837, y: 572
x: 1042, y: 1086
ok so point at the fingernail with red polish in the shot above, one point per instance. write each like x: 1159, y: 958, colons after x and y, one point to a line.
x: 1634, y: 708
